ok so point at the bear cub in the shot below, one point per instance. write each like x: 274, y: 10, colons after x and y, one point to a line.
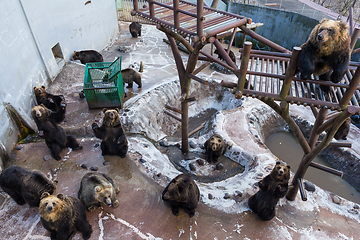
x: 26, y: 186
x: 129, y: 76
x: 135, y: 29
x: 56, y: 103
x: 114, y: 141
x: 97, y: 188
x: 63, y: 216
x: 87, y: 56
x: 182, y: 192
x: 215, y: 146
x: 273, y: 187
x: 326, y: 53
x: 54, y: 135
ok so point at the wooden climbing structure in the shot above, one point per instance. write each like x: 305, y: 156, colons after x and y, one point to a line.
x: 269, y: 75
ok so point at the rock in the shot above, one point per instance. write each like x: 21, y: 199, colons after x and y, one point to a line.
x: 192, y: 144
x: 142, y: 160
x: 84, y: 166
x: 192, y: 167
x: 164, y: 143
x: 105, y: 163
x: 210, y: 196
x: 158, y: 175
x: 259, y: 176
x: 76, y: 95
x: 238, y: 193
x: 336, y: 199
x: 18, y: 147
x: 219, y: 166
x: 201, y: 162
x: 93, y: 169
x: 97, y: 145
x: 356, y: 206
x: 47, y: 157
x: 82, y: 94
x: 309, y: 186
x: 227, y: 196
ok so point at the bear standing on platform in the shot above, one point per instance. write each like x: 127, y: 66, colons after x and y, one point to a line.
x: 114, y: 141
x: 273, y: 187
x: 326, y: 53
x: 215, y: 146
x: 87, y: 56
x: 135, y: 29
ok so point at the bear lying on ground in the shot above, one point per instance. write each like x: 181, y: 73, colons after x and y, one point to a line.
x: 63, y: 216
x: 26, y: 186
x: 273, y: 187
x: 231, y: 55
x: 182, y: 192
x: 129, y: 76
x: 54, y: 135
x: 326, y: 53
x: 87, y: 56
x: 97, y: 188
x: 135, y: 29
x: 56, y: 103
x: 215, y: 146
x: 114, y: 141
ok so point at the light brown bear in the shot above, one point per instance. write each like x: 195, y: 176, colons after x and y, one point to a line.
x: 273, y: 187
x: 26, y: 186
x: 63, y: 216
x: 97, y: 188
x: 182, y: 192
x: 326, y: 53
x: 129, y: 76
x: 215, y: 146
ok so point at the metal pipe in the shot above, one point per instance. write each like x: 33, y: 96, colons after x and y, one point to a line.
x: 302, y: 190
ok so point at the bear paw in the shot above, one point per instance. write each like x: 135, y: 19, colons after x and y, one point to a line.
x: 91, y: 208
x: 94, y: 126
x: 175, y: 211
x: 116, y: 204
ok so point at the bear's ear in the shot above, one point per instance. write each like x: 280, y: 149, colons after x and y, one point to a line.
x: 323, y: 20
x: 288, y: 167
x: 43, y: 87
x: 44, y: 195
x: 104, y: 110
x: 97, y: 189
x: 60, y: 196
x: 278, y: 162
x: 343, y: 25
x: 117, y: 110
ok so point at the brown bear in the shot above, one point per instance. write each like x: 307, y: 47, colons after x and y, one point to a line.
x: 56, y: 103
x: 135, y: 29
x: 182, y: 192
x: 63, y: 216
x: 87, y: 56
x: 97, y: 188
x: 326, y: 53
x: 215, y: 146
x: 114, y: 141
x: 26, y: 186
x: 129, y: 76
x: 231, y: 55
x: 273, y: 187
x: 54, y: 135
x: 343, y: 130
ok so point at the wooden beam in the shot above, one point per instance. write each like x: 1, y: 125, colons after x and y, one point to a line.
x: 173, y: 109
x: 172, y: 115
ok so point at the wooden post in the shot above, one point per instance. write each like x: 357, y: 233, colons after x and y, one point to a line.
x: 176, y: 13
x: 319, y: 120
x: 200, y: 10
x: 214, y: 3
x: 350, y: 91
x: 151, y: 8
x: 243, y: 69
x: 290, y: 71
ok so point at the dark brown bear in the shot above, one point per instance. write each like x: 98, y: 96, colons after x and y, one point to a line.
x: 54, y: 135
x: 273, y: 187
x: 135, y: 29
x: 182, y: 192
x: 87, y: 56
x: 56, y: 103
x: 231, y: 55
x: 326, y: 53
x: 343, y: 130
x: 26, y: 186
x: 215, y: 146
x: 129, y: 76
x: 114, y: 141
x: 97, y: 188
x: 63, y: 216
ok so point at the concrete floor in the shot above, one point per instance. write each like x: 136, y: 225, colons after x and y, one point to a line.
x: 141, y: 213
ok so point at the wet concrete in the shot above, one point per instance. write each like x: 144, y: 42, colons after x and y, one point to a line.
x: 141, y: 213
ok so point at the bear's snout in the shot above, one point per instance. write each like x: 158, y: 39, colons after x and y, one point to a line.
x: 49, y: 209
x: 320, y: 37
x: 108, y: 202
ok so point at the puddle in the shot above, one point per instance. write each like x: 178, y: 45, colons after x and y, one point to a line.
x: 286, y: 147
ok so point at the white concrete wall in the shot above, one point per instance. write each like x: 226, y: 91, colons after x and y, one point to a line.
x: 28, y: 31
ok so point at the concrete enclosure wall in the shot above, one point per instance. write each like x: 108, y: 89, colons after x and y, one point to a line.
x: 29, y: 30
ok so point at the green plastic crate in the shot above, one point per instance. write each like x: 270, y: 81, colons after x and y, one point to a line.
x: 103, y: 84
